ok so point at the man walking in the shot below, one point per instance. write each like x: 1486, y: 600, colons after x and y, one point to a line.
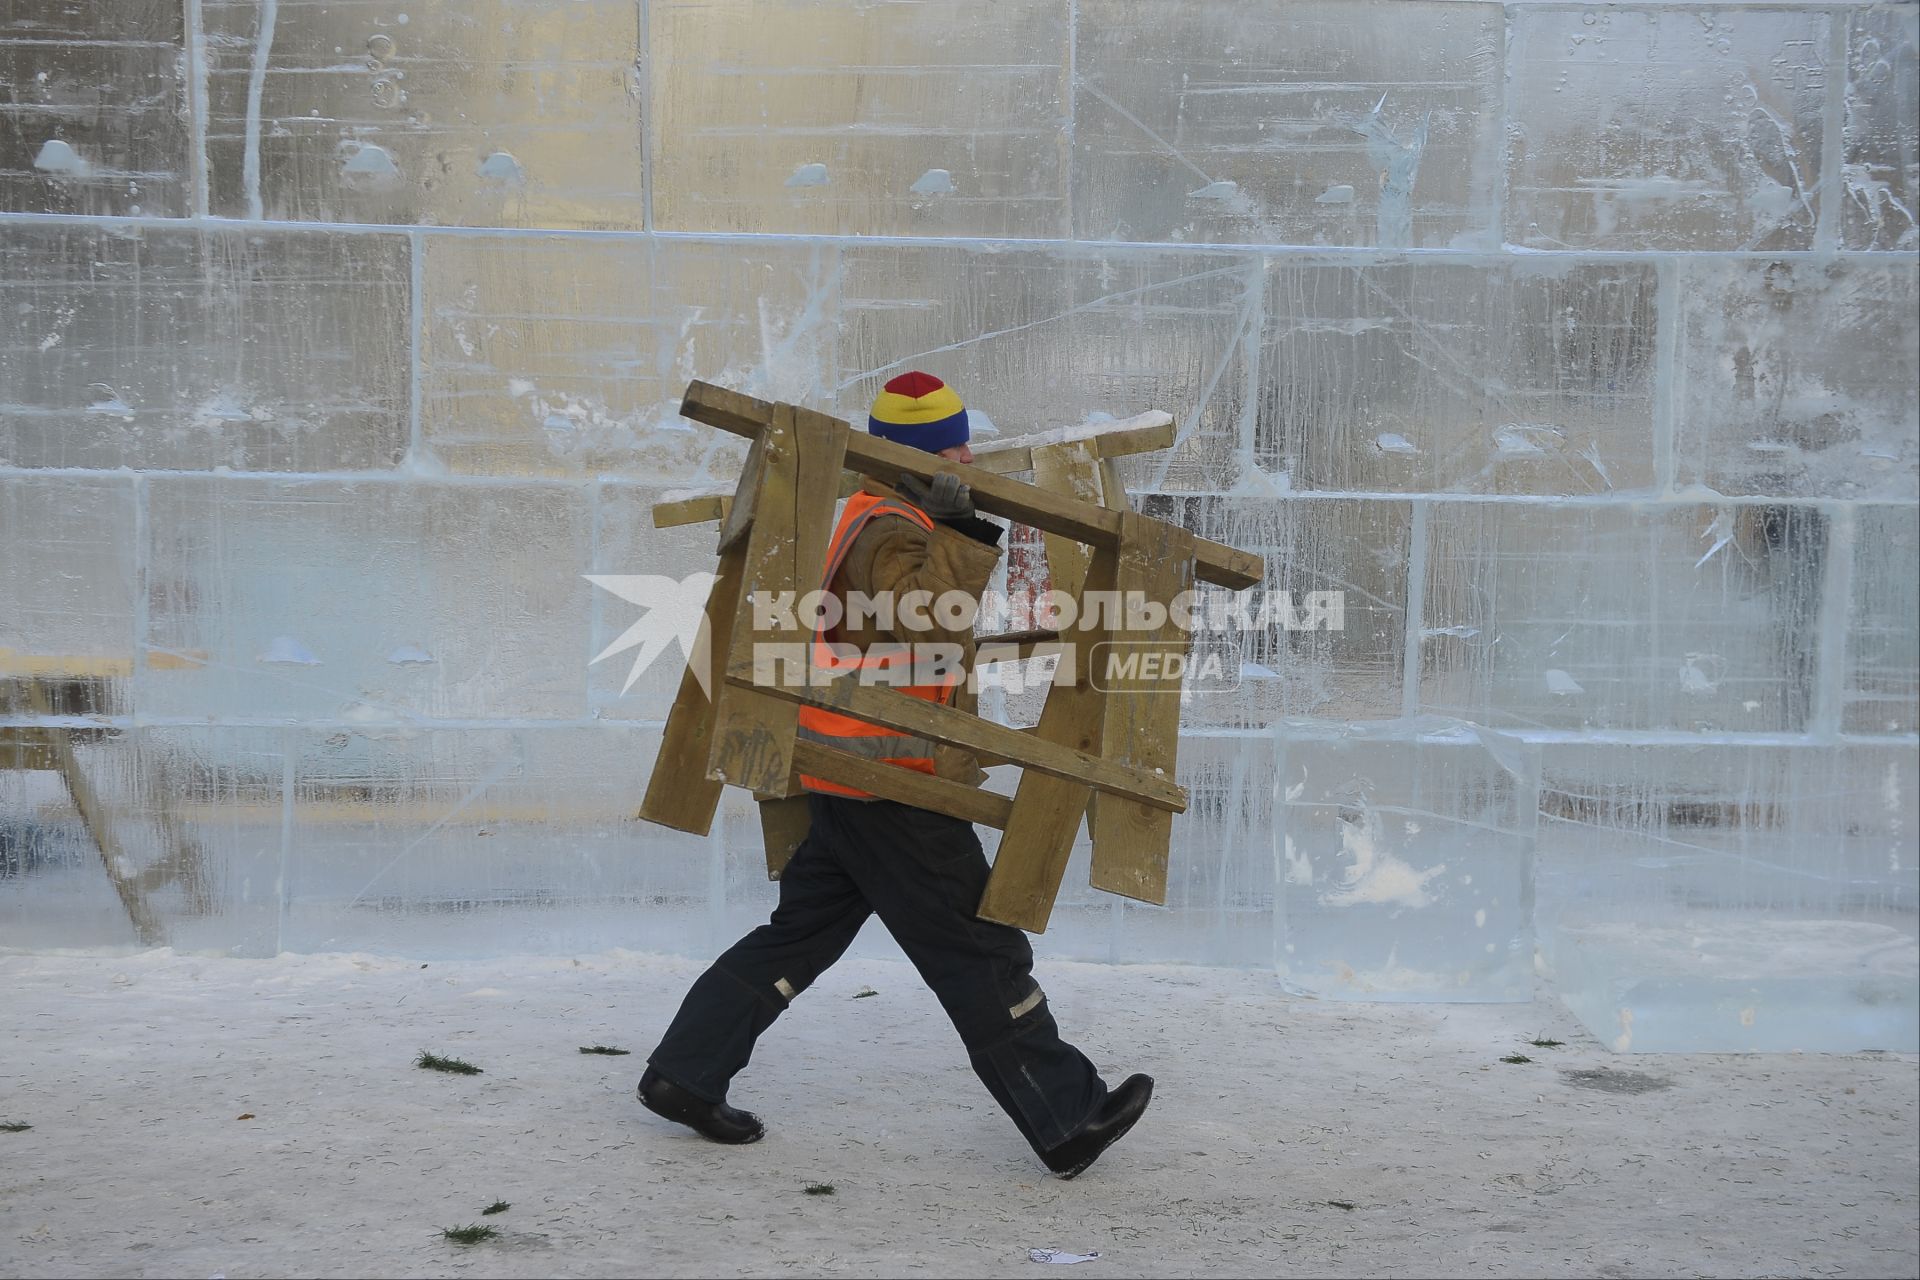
x: 922, y: 872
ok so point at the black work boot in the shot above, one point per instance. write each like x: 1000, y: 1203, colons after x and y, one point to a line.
x: 1107, y: 1125
x: 715, y: 1121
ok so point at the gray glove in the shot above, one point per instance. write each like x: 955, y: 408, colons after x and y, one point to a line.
x: 947, y: 500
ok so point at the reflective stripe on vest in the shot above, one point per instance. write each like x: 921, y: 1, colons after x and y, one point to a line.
x: 844, y: 732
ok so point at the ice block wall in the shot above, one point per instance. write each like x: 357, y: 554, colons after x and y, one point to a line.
x: 1575, y: 344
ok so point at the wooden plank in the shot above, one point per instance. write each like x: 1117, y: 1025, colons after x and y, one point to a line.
x: 1047, y: 809
x: 891, y: 782
x: 753, y: 740
x: 81, y: 666
x: 99, y: 823
x: 738, y: 515
x: 1122, y: 441
x: 679, y: 794
x: 784, y: 823
x: 1142, y: 725
x: 699, y: 510
x: 1073, y: 471
x: 892, y: 709
x: 997, y: 495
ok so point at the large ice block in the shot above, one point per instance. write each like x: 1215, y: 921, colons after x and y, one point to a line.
x: 1623, y: 616
x: 1880, y: 129
x: 96, y: 119
x: 68, y: 586
x: 1405, y: 856
x: 1882, y: 681
x: 1037, y: 339
x: 1474, y: 376
x: 156, y: 348
x: 474, y: 112
x: 567, y: 356
x: 1796, y: 378
x: 1323, y: 122
x: 1733, y: 897
x: 373, y: 602
x: 1690, y: 127
x: 1348, y: 665
x: 885, y: 119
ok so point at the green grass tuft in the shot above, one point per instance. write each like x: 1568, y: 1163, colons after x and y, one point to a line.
x: 1548, y: 1044
x: 14, y: 1126
x: 1516, y: 1058
x: 819, y: 1188
x: 498, y: 1206
x: 606, y: 1049
x: 468, y: 1235
x: 434, y: 1062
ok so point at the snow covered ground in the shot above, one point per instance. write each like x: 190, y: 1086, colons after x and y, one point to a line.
x: 201, y: 1117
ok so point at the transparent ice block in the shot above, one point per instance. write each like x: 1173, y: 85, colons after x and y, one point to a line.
x: 1796, y: 378
x: 96, y: 119
x: 1300, y: 123
x: 1474, y: 376
x: 892, y: 119
x: 1689, y: 127
x: 1355, y: 546
x: 463, y: 112
x: 372, y: 602
x: 1041, y: 339
x: 149, y: 347
x: 1609, y: 617
x: 1734, y: 898
x: 1880, y: 129
x: 1405, y: 854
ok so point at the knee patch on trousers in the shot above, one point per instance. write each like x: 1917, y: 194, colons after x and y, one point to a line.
x: 986, y: 1031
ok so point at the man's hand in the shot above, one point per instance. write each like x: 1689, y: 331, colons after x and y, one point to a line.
x: 947, y: 500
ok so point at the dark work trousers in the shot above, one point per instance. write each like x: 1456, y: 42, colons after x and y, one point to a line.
x: 923, y: 872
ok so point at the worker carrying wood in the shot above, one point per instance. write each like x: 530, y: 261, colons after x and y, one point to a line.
x: 922, y: 872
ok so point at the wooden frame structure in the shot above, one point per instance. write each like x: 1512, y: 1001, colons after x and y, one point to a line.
x: 35, y: 685
x: 1115, y: 737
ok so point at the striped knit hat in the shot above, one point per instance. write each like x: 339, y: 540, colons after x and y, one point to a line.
x: 920, y: 410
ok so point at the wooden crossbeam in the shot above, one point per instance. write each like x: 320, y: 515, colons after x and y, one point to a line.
x: 1036, y: 752
x: 1154, y: 431
x: 884, y: 460
x: 694, y: 510
x: 906, y: 786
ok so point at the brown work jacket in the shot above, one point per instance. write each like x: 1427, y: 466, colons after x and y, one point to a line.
x: 893, y: 554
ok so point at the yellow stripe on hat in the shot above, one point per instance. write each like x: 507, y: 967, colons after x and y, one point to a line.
x: 910, y: 411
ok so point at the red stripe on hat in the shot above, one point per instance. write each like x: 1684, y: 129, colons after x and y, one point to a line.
x: 915, y: 384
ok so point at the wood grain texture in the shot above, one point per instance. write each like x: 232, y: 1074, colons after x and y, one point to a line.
x: 1142, y: 725
x: 680, y: 794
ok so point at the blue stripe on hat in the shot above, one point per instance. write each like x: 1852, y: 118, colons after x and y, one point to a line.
x: 930, y: 436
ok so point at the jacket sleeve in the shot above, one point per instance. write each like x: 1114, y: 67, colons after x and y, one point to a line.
x: 895, y: 555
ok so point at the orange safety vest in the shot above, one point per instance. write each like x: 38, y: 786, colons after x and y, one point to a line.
x: 842, y: 732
